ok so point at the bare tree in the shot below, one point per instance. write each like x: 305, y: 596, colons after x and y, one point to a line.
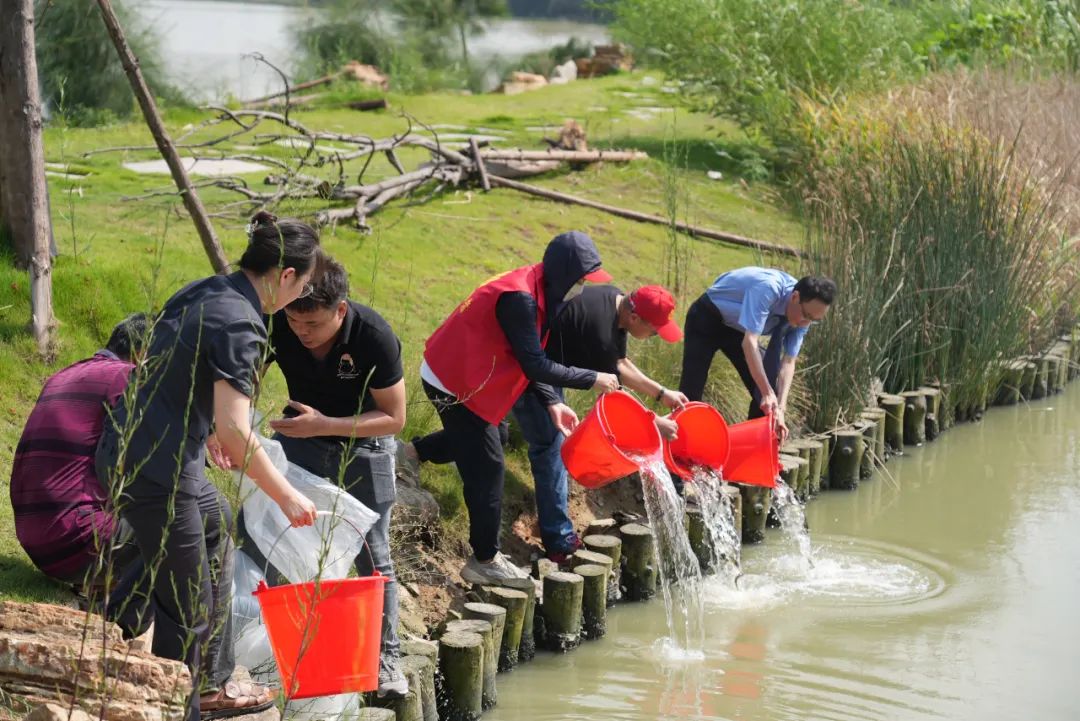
x: 23, y: 190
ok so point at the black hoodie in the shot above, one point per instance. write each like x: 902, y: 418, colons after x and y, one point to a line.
x: 568, y: 258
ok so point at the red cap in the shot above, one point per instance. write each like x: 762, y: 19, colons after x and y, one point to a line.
x: 654, y: 304
x: 598, y: 276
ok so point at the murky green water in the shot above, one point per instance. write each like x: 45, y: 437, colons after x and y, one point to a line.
x: 951, y: 591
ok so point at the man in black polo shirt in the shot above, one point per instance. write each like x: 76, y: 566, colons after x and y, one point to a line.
x: 590, y: 332
x: 342, y: 365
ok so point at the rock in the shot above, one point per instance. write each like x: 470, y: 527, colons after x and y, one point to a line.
x: 528, y: 78
x: 52, y: 654
x: 565, y: 73
x: 55, y: 712
x: 605, y: 60
x: 366, y: 74
x: 416, y: 505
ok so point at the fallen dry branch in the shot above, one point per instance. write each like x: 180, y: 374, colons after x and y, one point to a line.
x: 568, y: 156
x: 646, y: 218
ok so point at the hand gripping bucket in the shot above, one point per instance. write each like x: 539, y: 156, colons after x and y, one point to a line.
x: 604, y: 446
x: 702, y: 440
x: 325, y: 634
x: 755, y: 453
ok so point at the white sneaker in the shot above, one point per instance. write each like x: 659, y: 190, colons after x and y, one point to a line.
x: 499, y: 571
x: 392, y: 682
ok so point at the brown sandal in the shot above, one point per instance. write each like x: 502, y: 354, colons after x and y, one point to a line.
x: 236, y: 698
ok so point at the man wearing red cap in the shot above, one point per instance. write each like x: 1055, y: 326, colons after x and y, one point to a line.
x: 590, y: 332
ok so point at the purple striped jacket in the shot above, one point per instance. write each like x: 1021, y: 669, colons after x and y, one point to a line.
x: 62, y: 514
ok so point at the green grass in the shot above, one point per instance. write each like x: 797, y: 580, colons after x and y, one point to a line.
x: 415, y: 266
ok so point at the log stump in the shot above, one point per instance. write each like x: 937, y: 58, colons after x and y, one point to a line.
x: 914, y: 418
x: 562, y: 610
x: 894, y: 423
x: 730, y: 494
x: 756, y: 502
x: 593, y: 599
x: 700, y: 540
x: 527, y: 649
x: 410, y: 707
x: 1053, y: 372
x: 496, y: 616
x: 610, y: 546
x: 1027, y: 383
x: 461, y: 671
x: 932, y: 422
x: 514, y: 603
x: 868, y: 428
x: 372, y: 713
x: 1008, y: 392
x: 489, y: 694
x: 877, y: 415
x: 602, y: 527
x: 1041, y: 387
x: 582, y: 557
x: 846, y: 459
x: 638, y: 577
x: 813, y: 452
x: 424, y: 668
x: 826, y: 448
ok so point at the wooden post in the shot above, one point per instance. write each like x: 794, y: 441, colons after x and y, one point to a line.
x: 932, y: 422
x: 409, y: 707
x: 514, y: 603
x: 1027, y: 384
x: 496, y: 616
x: 894, y: 422
x: 424, y: 668
x: 914, y: 418
x: 1041, y: 387
x: 944, y: 409
x: 638, y: 580
x: 700, y: 539
x: 371, y: 713
x: 1008, y: 392
x: 582, y: 557
x: 527, y: 649
x: 610, y: 546
x: 826, y: 448
x: 730, y: 494
x: 461, y: 668
x: 24, y: 192
x: 868, y: 428
x: 877, y: 415
x: 846, y: 459
x: 790, y: 471
x: 795, y: 449
x: 562, y: 610
x: 188, y: 195
x: 756, y: 501
x: 593, y: 600
x: 602, y: 527
x: 489, y: 694
x: 811, y: 451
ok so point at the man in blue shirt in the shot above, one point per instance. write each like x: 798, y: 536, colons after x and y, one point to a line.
x: 731, y: 316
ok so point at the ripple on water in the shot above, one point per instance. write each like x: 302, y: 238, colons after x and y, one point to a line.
x: 854, y: 571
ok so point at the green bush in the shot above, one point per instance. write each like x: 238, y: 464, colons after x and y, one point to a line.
x: 81, y: 76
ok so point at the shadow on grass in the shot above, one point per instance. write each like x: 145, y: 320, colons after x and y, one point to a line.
x: 21, y: 581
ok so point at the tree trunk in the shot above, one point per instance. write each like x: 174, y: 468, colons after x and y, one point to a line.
x: 25, y: 200
x: 164, y: 143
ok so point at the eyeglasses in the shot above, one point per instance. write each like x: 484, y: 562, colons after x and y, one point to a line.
x: 306, y: 291
x: 807, y: 318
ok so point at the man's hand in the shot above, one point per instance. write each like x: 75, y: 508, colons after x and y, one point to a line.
x: 769, y: 404
x: 606, y: 382
x: 563, y: 417
x: 298, y: 508
x: 217, y: 453
x: 673, y: 399
x: 668, y: 428
x: 307, y: 424
x: 780, y: 426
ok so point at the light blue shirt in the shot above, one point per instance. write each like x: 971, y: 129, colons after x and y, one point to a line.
x: 754, y: 300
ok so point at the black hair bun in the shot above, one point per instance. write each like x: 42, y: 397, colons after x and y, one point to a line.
x: 263, y: 217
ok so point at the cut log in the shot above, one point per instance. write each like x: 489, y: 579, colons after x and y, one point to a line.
x: 1041, y: 387
x: 602, y: 527
x: 514, y: 603
x: 1027, y: 383
x: 527, y: 649
x: 914, y: 418
x: 893, y: 406
x: 638, y: 579
x: 583, y: 557
x: 496, y: 616
x: 593, y: 600
x: 424, y: 668
x: 730, y: 494
x: 756, y: 502
x: 845, y: 459
x: 489, y: 694
x: 869, y: 430
x: 461, y: 670
x: 1012, y: 380
x: 610, y: 546
x: 700, y: 540
x: 562, y: 611
x: 826, y: 446
x: 878, y: 416
x: 565, y: 156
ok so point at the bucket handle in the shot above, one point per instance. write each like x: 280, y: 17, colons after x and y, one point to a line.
x: 363, y: 537
x: 601, y: 413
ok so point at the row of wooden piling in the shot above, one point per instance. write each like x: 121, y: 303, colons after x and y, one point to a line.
x: 454, y: 679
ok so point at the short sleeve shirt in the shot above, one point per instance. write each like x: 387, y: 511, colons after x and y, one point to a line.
x: 754, y: 300
x: 208, y: 331
x: 365, y: 357
x: 586, y: 333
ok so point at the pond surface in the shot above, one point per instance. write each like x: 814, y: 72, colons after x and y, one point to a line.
x: 949, y: 591
x: 204, y: 42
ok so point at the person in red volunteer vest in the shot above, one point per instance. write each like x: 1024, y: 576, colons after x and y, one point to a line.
x: 479, y: 362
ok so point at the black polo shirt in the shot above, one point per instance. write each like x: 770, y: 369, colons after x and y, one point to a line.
x: 366, y: 356
x: 586, y: 332
x: 208, y: 331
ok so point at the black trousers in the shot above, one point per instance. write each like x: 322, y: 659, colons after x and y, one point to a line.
x: 474, y: 445
x: 182, y: 531
x: 704, y: 333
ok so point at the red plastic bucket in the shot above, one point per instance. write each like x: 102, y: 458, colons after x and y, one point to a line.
x: 702, y: 440
x: 755, y: 453
x: 325, y: 634
x: 602, y: 447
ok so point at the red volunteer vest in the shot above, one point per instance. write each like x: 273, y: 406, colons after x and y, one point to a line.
x: 470, y: 354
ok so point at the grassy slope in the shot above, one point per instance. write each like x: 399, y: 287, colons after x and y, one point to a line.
x: 419, y: 262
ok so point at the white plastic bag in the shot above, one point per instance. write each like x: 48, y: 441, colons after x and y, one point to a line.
x: 325, y: 550
x: 246, y: 577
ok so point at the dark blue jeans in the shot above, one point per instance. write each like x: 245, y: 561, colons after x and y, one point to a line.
x: 549, y: 474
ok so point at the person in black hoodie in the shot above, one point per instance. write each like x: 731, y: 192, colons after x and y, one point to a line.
x: 479, y: 362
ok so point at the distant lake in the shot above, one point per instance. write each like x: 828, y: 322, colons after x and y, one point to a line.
x: 204, y: 42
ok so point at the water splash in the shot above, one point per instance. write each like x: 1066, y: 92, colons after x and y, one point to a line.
x: 680, y: 574
x: 718, y: 516
x: 789, y: 510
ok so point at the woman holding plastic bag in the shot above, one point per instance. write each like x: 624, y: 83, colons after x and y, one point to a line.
x: 202, y: 365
